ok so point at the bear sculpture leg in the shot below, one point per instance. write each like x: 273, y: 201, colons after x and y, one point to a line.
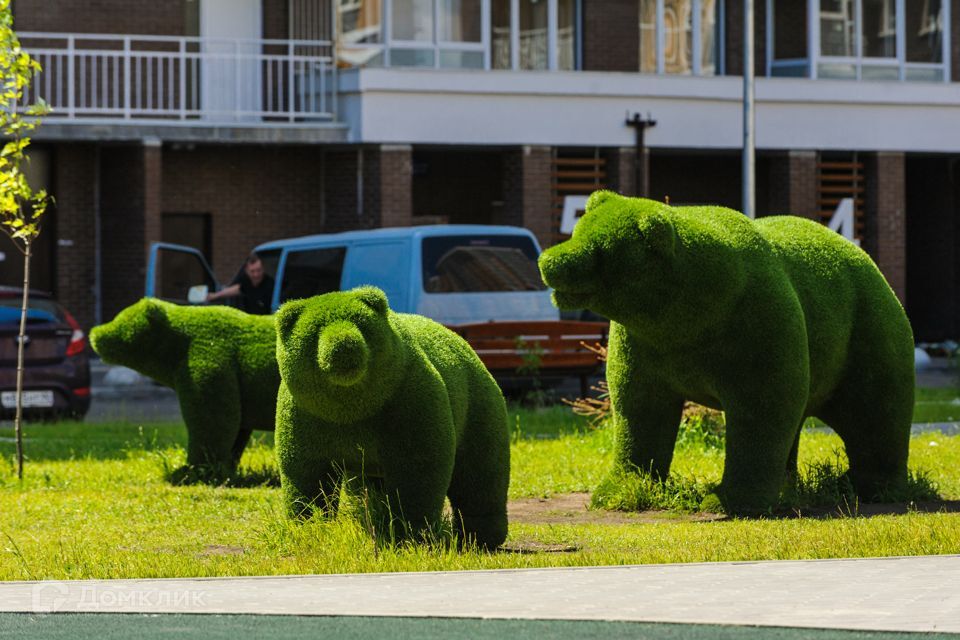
x: 478, y: 488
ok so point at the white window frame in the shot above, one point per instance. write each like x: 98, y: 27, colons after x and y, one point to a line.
x: 696, y: 69
x: 814, y: 58
x: 483, y: 46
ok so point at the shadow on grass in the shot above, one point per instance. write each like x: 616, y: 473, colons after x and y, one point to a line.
x: 822, y: 490
x: 243, y: 478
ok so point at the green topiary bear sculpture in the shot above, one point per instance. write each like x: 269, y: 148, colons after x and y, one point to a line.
x: 771, y: 320
x: 220, y: 361
x: 390, y: 397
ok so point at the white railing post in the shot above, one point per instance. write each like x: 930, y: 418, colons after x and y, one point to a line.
x: 126, y: 93
x: 71, y: 77
x: 290, y: 88
x: 236, y: 80
x: 127, y: 57
x: 183, y: 79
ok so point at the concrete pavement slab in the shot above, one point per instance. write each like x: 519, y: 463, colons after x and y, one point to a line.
x: 889, y: 594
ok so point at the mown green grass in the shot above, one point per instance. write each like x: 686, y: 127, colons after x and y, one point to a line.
x: 937, y: 405
x: 95, y: 504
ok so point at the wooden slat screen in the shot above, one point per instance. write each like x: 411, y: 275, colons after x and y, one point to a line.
x: 575, y: 172
x: 840, y: 177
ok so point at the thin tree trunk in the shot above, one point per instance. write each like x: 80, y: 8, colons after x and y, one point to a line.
x: 18, y: 423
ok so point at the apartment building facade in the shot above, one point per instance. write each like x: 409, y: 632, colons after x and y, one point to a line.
x: 225, y: 123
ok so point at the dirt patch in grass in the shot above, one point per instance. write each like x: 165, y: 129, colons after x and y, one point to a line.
x: 221, y: 550
x: 574, y: 508
x: 868, y: 509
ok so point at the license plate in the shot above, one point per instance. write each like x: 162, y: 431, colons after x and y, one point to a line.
x: 30, y: 399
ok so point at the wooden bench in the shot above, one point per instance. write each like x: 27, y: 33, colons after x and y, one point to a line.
x: 544, y: 348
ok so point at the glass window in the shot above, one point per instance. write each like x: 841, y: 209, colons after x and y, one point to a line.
x: 648, y: 36
x: 837, y: 28
x: 924, y: 35
x: 40, y: 310
x: 709, y: 43
x: 500, y: 34
x: 459, y: 21
x: 359, y: 30
x: 879, y: 30
x: 566, y: 35
x: 789, y: 30
x: 312, y: 273
x: 674, y: 21
x: 461, y: 264
x: 411, y: 57
x: 412, y: 20
x: 533, y: 34
x: 678, y: 33
x: 461, y: 59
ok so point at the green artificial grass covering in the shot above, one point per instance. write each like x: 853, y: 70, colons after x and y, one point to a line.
x: 773, y: 321
x: 220, y: 361
x: 397, y: 401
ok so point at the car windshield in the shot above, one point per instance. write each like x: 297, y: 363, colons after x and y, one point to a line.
x: 40, y: 310
x: 480, y: 263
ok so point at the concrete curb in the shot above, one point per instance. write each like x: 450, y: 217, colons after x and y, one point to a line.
x: 888, y: 594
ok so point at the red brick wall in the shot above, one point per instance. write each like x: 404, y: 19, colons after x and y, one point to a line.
x: 123, y: 230
x: 885, y: 213
x: 792, y: 186
x: 955, y: 40
x: 611, y: 35
x: 464, y: 187
x: 396, y: 180
x: 528, y: 191
x: 166, y: 17
x: 733, y: 27
x: 253, y: 194
x: 74, y: 178
x: 621, y: 169
x: 276, y: 25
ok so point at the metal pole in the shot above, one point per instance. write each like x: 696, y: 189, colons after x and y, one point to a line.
x: 749, y: 154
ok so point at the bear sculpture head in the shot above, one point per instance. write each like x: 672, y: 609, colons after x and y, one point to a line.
x: 619, y: 261
x: 137, y: 329
x: 338, y: 352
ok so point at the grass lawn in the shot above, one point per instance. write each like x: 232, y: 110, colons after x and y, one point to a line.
x: 937, y: 405
x: 95, y: 504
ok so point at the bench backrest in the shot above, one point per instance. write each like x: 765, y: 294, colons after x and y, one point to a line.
x: 558, y: 346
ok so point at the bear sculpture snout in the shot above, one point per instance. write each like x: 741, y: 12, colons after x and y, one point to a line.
x: 567, y: 269
x: 343, y: 354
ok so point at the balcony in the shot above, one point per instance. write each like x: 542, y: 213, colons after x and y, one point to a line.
x: 183, y: 81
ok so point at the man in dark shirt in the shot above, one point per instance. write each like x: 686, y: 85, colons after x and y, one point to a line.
x: 252, y: 284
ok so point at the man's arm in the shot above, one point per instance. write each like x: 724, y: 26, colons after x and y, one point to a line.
x: 227, y: 292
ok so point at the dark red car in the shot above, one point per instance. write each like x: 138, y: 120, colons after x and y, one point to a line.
x: 56, y: 375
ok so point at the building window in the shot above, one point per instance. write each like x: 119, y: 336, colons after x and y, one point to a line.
x: 460, y: 34
x: 680, y: 36
x: 859, y: 39
x: 536, y: 35
x: 436, y: 33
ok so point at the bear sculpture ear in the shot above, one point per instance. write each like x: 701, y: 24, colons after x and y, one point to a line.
x: 287, y: 316
x: 660, y: 234
x: 597, y: 198
x: 154, y: 311
x: 373, y: 298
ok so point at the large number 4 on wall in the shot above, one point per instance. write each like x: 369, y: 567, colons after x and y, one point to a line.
x: 842, y: 221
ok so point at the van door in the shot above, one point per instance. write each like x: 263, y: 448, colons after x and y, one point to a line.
x: 310, y: 272
x: 382, y: 264
x: 178, y: 273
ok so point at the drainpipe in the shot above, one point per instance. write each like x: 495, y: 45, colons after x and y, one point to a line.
x: 749, y: 141
x: 642, y: 171
x: 97, y: 242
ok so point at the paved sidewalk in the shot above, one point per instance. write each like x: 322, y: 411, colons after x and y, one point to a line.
x: 891, y: 594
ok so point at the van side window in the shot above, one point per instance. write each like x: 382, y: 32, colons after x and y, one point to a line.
x: 312, y: 273
x: 480, y: 263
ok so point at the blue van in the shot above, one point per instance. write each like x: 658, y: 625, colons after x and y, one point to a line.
x: 454, y: 274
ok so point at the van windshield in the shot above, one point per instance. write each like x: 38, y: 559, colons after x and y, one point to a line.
x: 477, y: 263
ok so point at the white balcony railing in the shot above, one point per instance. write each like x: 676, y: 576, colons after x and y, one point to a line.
x: 186, y: 80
